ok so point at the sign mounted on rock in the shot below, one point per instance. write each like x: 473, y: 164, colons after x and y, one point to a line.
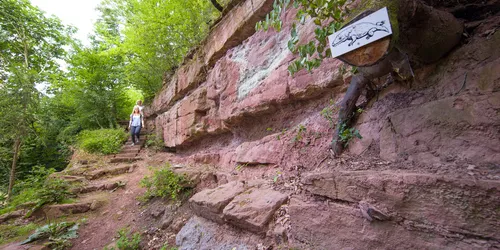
x: 360, y: 33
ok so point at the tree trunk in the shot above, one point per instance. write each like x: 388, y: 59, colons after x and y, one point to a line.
x: 347, y: 109
x: 217, y: 5
x: 12, y: 178
x: 420, y: 33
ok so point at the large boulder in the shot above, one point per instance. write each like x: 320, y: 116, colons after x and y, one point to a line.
x: 209, y: 203
x: 253, y: 209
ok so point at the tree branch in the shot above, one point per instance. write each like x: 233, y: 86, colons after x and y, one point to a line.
x: 217, y: 5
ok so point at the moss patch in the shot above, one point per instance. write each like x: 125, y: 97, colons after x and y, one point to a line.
x: 9, y: 233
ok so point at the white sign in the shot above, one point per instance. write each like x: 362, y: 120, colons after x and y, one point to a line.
x: 360, y: 33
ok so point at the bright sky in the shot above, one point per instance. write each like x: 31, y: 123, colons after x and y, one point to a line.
x: 79, y: 13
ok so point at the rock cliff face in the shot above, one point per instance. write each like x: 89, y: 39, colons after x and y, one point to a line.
x: 429, y: 156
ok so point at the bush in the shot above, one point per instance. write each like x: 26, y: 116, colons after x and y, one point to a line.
x: 28, y: 189
x: 103, y: 141
x: 39, y: 190
x: 53, y: 191
x: 164, y: 183
x: 58, y: 235
x: 11, y: 232
x: 124, y: 242
x: 347, y: 134
x: 155, y: 142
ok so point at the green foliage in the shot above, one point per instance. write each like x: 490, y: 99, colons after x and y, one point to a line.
x: 39, y: 189
x: 283, y: 131
x: 239, y: 167
x: 300, y: 133
x: 131, y: 97
x: 168, y: 248
x: 30, y: 44
x: 347, y: 134
x: 58, y: 234
x: 277, y: 176
x: 29, y: 189
x: 155, y: 142
x: 329, y: 111
x: 156, y: 35
x: 164, y: 183
x: 103, y: 141
x: 11, y: 232
x: 127, y: 241
x: 328, y: 17
x: 53, y: 191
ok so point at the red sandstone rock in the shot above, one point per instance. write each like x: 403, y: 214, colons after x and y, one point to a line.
x: 233, y: 29
x: 55, y: 211
x: 455, y: 122
x: 253, y: 209
x: 209, y: 203
x: 422, y: 198
x: 321, y: 226
x: 266, y: 151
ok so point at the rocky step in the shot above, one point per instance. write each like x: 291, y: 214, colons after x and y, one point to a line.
x: 141, y: 140
x: 70, y: 178
x: 457, y: 206
x: 77, y: 171
x: 119, y: 159
x: 130, y: 147
x: 109, y: 171
x: 125, y: 155
x: 250, y: 207
x: 12, y: 215
x: 195, y: 176
x: 129, y: 141
x: 59, y: 210
x: 130, y: 150
x: 98, y: 187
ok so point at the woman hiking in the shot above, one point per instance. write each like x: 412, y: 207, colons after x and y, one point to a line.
x: 135, y: 124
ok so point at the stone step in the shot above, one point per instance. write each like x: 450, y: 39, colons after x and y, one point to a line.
x: 124, y: 159
x: 71, y: 179
x: 249, y: 207
x: 457, y: 205
x: 130, y: 150
x: 109, y: 171
x: 126, y: 155
x: 59, y: 210
x: 253, y: 209
x: 98, y: 187
x: 12, y: 215
x: 209, y: 203
x: 77, y: 170
x: 141, y: 141
x: 134, y: 147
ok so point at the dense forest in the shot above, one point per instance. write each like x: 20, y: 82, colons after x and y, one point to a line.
x: 54, y: 89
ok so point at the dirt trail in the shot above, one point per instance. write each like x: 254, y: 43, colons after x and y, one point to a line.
x: 114, y: 206
x: 120, y: 210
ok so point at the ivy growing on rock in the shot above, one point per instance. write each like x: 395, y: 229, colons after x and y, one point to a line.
x: 327, y: 15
